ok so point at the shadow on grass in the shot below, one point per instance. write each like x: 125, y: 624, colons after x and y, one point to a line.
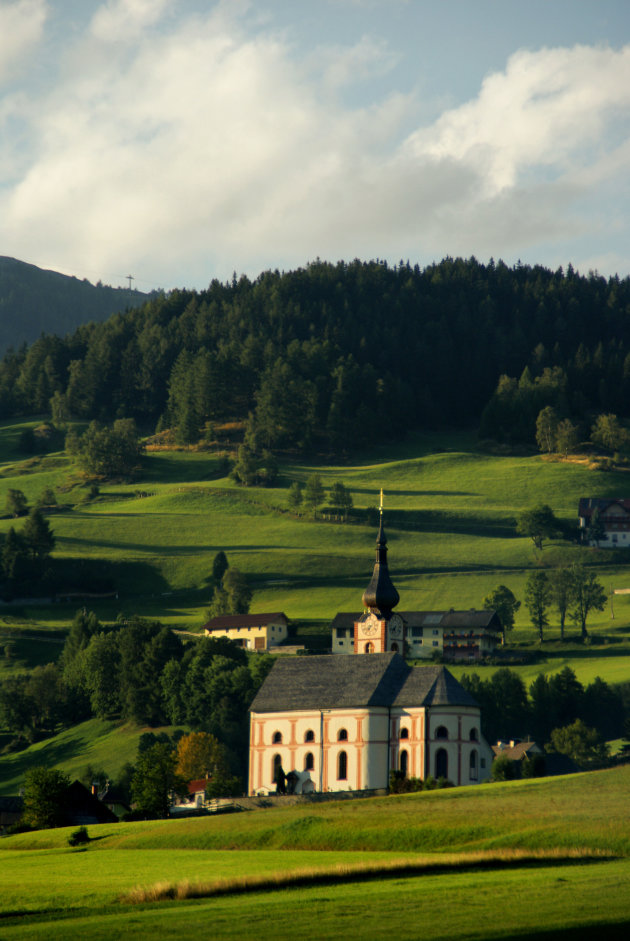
x: 195, y: 548
x: 48, y: 755
x: 100, y: 576
x: 164, y: 467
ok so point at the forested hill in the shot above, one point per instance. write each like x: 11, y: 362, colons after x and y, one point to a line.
x: 336, y: 355
x: 34, y: 301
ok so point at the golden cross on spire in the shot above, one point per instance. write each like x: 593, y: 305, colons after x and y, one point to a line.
x: 380, y: 509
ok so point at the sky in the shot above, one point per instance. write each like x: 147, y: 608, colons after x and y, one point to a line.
x: 179, y: 141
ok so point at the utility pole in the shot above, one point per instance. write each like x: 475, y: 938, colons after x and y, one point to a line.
x: 130, y: 278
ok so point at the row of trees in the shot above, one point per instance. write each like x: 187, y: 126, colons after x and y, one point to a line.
x: 309, y: 356
x: 135, y: 669
x: 573, y: 591
x: 312, y: 495
x: 511, y: 711
x: 556, y: 434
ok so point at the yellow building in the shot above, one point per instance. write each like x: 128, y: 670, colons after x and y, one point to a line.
x: 252, y: 631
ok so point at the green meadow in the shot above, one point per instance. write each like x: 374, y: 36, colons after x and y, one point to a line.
x: 449, y: 514
x: 101, y: 743
x: 551, y: 856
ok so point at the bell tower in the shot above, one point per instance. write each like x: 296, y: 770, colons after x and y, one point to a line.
x: 379, y: 630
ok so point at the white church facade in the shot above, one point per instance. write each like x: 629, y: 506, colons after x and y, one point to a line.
x: 344, y: 723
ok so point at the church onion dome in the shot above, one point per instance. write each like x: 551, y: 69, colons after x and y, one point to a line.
x: 380, y: 596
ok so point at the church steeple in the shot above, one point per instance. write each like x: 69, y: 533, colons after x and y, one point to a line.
x: 380, y: 596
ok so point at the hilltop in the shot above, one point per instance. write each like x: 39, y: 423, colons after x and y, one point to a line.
x: 35, y: 301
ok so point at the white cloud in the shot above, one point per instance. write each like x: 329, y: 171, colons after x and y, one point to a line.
x: 124, y: 20
x: 21, y: 26
x: 545, y: 109
x: 192, y: 151
x: 343, y: 66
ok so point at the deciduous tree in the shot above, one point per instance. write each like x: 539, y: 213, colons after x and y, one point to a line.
x: 608, y: 433
x: 566, y: 437
x: 314, y: 493
x: 16, y: 503
x: 587, y: 594
x: 546, y: 429
x: 581, y: 743
x: 537, y: 599
x: 44, y: 790
x: 560, y: 580
x: 295, y: 496
x: 539, y: 524
x: 199, y: 754
x: 340, y: 497
x: 156, y: 780
x: 502, y: 600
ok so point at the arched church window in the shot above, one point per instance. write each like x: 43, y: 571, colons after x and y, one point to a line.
x: 342, y: 766
x: 369, y: 647
x: 441, y: 763
x: 394, y: 648
x: 404, y: 761
x: 342, y: 735
x: 277, y: 738
x: 275, y: 764
x: 404, y: 733
x: 474, y: 735
x: 441, y: 732
x: 309, y: 761
x: 472, y: 765
x: 309, y: 736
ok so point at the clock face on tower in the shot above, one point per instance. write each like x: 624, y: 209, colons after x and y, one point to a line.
x: 370, y: 627
x: 395, y: 626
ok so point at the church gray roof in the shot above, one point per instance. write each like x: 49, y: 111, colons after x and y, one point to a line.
x: 327, y: 682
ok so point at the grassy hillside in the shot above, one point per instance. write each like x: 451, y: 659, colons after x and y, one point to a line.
x: 449, y: 512
x: 100, y: 743
x: 550, y: 856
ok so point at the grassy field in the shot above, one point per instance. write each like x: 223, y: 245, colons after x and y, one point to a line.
x: 100, y: 743
x: 449, y: 519
x: 523, y: 859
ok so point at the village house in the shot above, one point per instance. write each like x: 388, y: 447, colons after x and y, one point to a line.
x: 455, y: 635
x: 613, y: 515
x: 546, y: 765
x: 194, y: 800
x: 343, y: 723
x: 252, y: 631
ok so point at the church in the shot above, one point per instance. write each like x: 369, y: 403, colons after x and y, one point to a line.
x: 343, y: 723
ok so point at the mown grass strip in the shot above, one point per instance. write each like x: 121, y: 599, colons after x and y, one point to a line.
x: 355, y: 872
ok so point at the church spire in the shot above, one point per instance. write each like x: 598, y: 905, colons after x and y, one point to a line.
x: 380, y: 596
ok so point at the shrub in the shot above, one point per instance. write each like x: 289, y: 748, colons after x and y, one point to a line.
x: 77, y: 837
x: 502, y: 768
x: 400, y: 784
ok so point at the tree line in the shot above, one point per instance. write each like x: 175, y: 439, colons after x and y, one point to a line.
x: 137, y: 669
x: 572, y: 590
x: 510, y: 710
x: 328, y: 354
